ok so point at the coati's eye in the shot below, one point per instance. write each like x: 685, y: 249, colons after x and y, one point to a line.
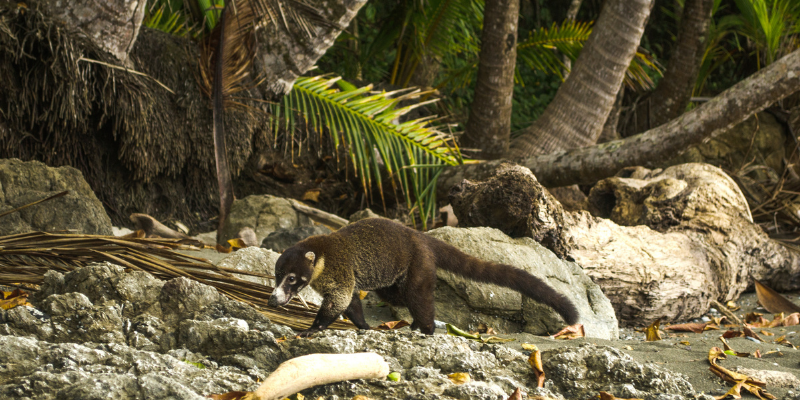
x: 292, y: 279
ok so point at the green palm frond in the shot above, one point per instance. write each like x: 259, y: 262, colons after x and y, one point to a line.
x: 367, y: 125
x: 161, y: 15
x: 537, y: 50
x: 768, y: 24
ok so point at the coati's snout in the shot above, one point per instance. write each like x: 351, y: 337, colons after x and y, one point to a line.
x: 293, y: 272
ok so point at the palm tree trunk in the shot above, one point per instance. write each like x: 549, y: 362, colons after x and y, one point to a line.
x: 675, y: 90
x: 576, y: 115
x: 489, y: 124
x: 649, y: 149
x: 572, y: 13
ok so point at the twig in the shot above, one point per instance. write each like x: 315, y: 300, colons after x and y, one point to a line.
x: 727, y: 313
x: 334, y: 221
x: 4, y: 213
x: 133, y: 71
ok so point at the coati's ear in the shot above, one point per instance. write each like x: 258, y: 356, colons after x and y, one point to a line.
x: 311, y: 256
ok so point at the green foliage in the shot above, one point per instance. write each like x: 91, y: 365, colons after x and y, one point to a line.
x: 167, y: 16
x: 365, y: 123
x: 537, y: 50
x: 770, y: 26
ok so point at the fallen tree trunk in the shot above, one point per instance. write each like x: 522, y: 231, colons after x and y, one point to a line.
x: 649, y: 149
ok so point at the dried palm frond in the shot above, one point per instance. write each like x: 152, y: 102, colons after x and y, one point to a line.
x: 26, y: 257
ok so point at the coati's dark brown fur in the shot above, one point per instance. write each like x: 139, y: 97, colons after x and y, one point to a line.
x: 399, y: 264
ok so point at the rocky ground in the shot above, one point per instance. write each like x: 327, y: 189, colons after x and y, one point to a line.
x: 100, y: 332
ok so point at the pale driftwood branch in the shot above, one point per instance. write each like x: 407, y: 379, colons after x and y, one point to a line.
x: 727, y: 313
x: 333, y: 221
x: 152, y: 227
x: 318, y: 369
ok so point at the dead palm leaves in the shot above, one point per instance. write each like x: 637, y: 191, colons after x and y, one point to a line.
x: 25, y: 258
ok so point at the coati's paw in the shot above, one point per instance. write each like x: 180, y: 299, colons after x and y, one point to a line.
x: 307, y: 333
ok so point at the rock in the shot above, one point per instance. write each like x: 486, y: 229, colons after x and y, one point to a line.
x: 458, y: 298
x: 772, y: 378
x: 282, y: 238
x: 363, y: 214
x: 513, y: 201
x: 262, y: 261
x: 22, y: 183
x: 264, y: 214
x: 674, y: 240
x: 581, y: 372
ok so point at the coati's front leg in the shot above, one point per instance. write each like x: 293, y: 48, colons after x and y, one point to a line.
x: 332, y: 307
x: 355, y: 313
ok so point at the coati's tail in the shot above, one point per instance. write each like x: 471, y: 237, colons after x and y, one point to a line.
x: 454, y: 260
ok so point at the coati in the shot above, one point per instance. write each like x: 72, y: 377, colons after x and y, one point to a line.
x: 399, y: 264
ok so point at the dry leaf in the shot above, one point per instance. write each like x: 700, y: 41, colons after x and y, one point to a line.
x: 362, y: 294
x: 773, y: 301
x: 651, y: 332
x: 752, y: 385
x: 782, y: 340
x: 312, y: 195
x: 749, y: 333
x: 571, y: 332
x: 732, y: 305
x: 221, y: 249
x: 757, y: 353
x: 732, y: 334
x: 386, y: 326
x: 516, y: 395
x: 696, y: 327
x: 734, y: 391
x: 535, y: 361
x: 15, y: 298
x: 496, y: 340
x: 791, y: 320
x: 460, y: 378
x: 685, y: 343
x: 237, y: 243
x: 767, y: 333
x: 756, y: 319
x: 235, y: 395
x: 529, y: 347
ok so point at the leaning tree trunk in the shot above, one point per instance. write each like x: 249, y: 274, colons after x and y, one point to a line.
x: 572, y: 14
x: 674, y: 91
x: 489, y: 124
x: 649, y: 149
x: 112, y: 24
x: 576, y: 115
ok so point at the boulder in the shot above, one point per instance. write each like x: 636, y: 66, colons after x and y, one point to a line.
x: 467, y: 304
x: 264, y: 214
x: 282, y: 238
x: 23, y: 182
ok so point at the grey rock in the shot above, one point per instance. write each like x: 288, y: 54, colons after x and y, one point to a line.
x: 363, y: 214
x: 22, y: 183
x: 282, y: 239
x: 505, y: 310
x: 583, y: 371
x: 264, y: 214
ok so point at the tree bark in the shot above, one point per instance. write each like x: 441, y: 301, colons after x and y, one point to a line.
x: 489, y: 124
x: 576, y: 115
x: 649, y: 149
x: 675, y: 90
x: 572, y: 13
x: 112, y: 24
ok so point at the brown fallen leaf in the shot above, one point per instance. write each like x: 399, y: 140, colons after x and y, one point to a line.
x: 696, y: 327
x: 529, y: 347
x: 222, y: 249
x: 776, y: 320
x: 749, y: 333
x: 516, y: 395
x: 15, y: 298
x: 750, y: 384
x: 782, y: 340
x: 311, y: 195
x: 734, y: 392
x: 535, y: 361
x: 651, y: 332
x: 730, y: 333
x: 732, y: 305
x: 391, y: 325
x: 766, y: 333
x: 756, y: 319
x: 362, y: 294
x: 571, y: 332
x: 757, y: 353
x: 459, y: 378
x: 237, y: 243
x: 791, y: 320
x: 773, y: 301
x: 235, y: 395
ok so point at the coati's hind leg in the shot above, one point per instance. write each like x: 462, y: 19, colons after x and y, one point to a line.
x: 355, y: 313
x: 419, y: 299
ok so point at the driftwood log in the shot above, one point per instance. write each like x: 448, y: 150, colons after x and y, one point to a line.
x: 661, y: 244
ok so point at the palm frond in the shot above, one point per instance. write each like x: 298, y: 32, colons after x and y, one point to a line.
x: 537, y: 51
x: 367, y: 124
x: 25, y: 258
x: 160, y: 15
